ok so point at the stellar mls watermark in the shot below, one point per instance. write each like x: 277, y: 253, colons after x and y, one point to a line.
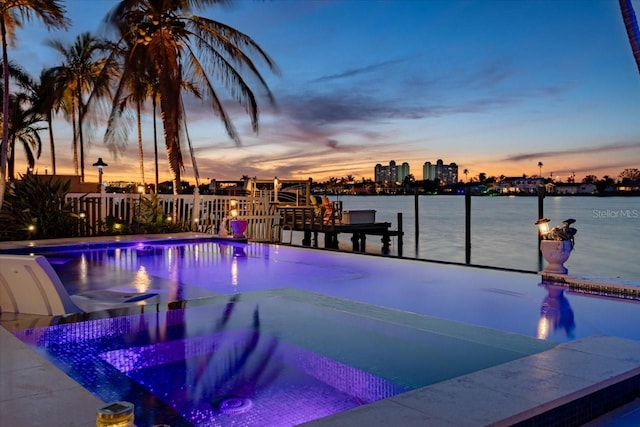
x: 616, y: 213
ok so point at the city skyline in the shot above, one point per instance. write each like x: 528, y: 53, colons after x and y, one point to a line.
x: 498, y: 86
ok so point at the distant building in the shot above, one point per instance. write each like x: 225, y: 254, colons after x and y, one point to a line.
x: 519, y: 184
x: 571, y: 188
x: 447, y: 174
x: 392, y: 173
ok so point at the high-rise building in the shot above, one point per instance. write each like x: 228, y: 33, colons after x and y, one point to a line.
x: 392, y: 173
x: 447, y: 174
x: 428, y: 171
x: 403, y: 172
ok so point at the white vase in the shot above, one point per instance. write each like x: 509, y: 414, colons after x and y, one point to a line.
x: 556, y: 253
x: 238, y: 227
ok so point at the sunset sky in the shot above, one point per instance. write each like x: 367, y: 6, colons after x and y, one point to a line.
x: 495, y: 86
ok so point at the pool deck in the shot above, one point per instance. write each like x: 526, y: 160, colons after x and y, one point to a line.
x: 567, y: 385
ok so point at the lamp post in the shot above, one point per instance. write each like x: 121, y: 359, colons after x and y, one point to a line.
x: 275, y: 189
x: 103, y: 206
x: 140, y: 193
x: 100, y: 164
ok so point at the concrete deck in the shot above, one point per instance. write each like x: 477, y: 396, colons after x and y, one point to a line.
x: 34, y: 393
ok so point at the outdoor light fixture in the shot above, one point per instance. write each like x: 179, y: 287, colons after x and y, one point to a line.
x: 234, y: 211
x: 100, y: 164
x: 543, y: 226
x: 276, y: 184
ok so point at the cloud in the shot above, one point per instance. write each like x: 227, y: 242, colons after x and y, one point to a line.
x: 332, y: 143
x: 357, y: 71
x: 605, y: 148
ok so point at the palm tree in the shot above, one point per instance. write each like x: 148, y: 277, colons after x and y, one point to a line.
x: 24, y: 120
x: 631, y: 25
x: 84, y: 72
x: 24, y: 128
x: 12, y: 14
x: 466, y: 174
x: 47, y: 100
x: 176, y: 46
x: 540, y: 169
x: 140, y: 88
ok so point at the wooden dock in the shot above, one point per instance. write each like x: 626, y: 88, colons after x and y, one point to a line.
x: 312, y: 221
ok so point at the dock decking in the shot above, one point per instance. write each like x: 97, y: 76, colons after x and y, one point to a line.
x: 312, y: 221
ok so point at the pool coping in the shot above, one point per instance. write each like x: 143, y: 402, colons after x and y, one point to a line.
x: 559, y: 384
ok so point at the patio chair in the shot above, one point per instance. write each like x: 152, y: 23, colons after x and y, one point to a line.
x: 29, y: 285
x: 332, y: 212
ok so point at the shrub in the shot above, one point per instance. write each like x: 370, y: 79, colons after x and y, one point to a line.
x: 35, y: 208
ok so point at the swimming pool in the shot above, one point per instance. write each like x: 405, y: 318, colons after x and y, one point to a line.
x: 268, y: 327
x: 504, y: 300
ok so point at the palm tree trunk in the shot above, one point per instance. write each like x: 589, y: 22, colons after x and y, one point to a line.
x: 11, y: 159
x: 4, y: 146
x: 75, y: 138
x: 631, y: 24
x: 155, y: 140
x: 53, y: 147
x: 80, y: 113
x: 140, y: 151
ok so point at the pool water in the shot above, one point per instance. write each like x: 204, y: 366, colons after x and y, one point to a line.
x: 278, y: 358
x: 504, y: 300
x: 258, y: 334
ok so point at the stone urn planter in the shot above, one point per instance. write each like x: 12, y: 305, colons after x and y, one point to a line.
x: 556, y: 244
x: 238, y: 227
x: 556, y: 253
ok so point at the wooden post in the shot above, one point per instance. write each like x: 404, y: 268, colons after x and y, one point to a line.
x: 400, y: 233
x: 541, y: 194
x: 417, y: 214
x: 467, y: 225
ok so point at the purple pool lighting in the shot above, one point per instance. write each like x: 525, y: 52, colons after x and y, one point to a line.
x: 504, y: 300
x: 277, y: 358
x: 257, y: 334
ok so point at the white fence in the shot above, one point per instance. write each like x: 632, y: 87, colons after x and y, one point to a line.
x: 104, y: 213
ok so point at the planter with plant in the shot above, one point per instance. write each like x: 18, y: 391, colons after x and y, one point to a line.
x: 556, y: 244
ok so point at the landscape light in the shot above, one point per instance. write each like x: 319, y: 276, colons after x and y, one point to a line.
x: 100, y: 164
x: 233, y: 203
x: 543, y: 226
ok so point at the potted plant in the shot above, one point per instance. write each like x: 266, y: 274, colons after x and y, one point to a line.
x: 556, y: 244
x: 238, y: 227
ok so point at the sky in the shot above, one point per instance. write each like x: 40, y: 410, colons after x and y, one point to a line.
x: 495, y: 86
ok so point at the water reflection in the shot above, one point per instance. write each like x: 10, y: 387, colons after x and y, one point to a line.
x: 242, y: 363
x: 555, y: 313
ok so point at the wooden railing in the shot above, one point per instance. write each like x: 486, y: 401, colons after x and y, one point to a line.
x: 203, y: 213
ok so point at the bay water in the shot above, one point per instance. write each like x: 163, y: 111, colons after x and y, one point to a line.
x: 503, y: 231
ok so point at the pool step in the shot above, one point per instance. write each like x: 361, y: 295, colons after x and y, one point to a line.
x: 570, y: 384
